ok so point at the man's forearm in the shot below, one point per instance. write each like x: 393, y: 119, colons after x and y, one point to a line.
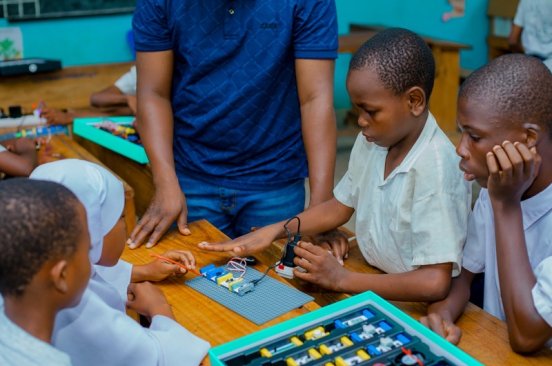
x: 319, y: 136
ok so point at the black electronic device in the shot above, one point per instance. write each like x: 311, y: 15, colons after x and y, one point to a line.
x: 28, y: 66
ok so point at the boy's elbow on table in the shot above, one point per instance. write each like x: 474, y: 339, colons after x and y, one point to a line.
x: 436, y: 286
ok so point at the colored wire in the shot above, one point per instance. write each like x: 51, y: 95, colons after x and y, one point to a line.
x: 237, y: 264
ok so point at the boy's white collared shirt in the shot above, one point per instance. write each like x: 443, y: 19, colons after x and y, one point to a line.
x: 18, y: 347
x: 418, y: 215
x: 480, y: 250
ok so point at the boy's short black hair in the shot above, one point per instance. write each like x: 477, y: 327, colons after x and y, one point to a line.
x: 39, y: 221
x: 516, y: 86
x: 401, y: 58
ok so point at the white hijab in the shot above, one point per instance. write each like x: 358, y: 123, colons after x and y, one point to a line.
x: 100, y: 192
x: 98, y: 331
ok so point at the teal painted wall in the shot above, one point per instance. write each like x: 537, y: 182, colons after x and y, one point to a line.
x: 95, y: 40
x: 423, y: 17
x: 77, y: 41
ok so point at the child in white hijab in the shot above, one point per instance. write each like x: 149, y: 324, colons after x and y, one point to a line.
x: 98, y: 331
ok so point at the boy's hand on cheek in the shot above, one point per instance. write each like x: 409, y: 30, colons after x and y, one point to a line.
x: 321, y: 267
x: 512, y: 169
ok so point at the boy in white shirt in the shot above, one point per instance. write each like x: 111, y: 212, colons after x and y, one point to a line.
x: 505, y: 113
x: 410, y: 201
x: 532, y: 30
x: 44, y: 267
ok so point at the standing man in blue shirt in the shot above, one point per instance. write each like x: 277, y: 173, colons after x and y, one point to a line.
x: 234, y: 98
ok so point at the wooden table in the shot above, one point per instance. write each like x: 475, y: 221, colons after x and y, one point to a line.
x: 63, y: 147
x: 197, y: 312
x: 69, y: 88
x: 485, y: 337
x: 447, y: 71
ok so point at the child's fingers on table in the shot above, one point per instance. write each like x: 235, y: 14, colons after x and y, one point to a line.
x: 183, y: 256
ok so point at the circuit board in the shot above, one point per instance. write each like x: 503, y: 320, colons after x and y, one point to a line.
x: 260, y: 303
x: 361, y: 330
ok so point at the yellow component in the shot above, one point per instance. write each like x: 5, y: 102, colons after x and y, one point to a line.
x: 234, y: 282
x: 296, y: 341
x: 315, y: 333
x: 265, y: 353
x: 223, y: 278
x: 362, y: 354
x: 325, y: 350
x: 346, y: 341
x: 328, y: 364
x: 339, y: 361
x: 291, y: 362
x: 313, y: 353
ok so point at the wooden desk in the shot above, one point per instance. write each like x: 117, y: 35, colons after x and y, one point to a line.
x: 63, y: 147
x: 68, y: 88
x: 447, y: 71
x: 485, y: 336
x: 197, y: 312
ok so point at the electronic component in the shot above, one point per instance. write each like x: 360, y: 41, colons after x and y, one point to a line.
x: 225, y: 278
x: 361, y: 330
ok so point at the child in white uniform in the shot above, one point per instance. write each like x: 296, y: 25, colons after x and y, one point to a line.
x: 505, y: 112
x: 44, y: 267
x: 411, y: 202
x: 98, y: 331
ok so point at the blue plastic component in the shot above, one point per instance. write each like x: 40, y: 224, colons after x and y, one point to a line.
x: 403, y: 339
x: 355, y: 337
x: 208, y: 268
x: 383, y: 325
x: 339, y: 324
x: 373, y: 351
x: 367, y: 313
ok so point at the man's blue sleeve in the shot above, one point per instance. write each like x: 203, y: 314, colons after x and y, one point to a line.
x: 315, y: 29
x: 150, y: 26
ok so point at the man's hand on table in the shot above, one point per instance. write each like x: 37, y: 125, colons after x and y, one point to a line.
x: 164, y: 209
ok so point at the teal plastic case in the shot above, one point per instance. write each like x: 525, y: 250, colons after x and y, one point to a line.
x: 258, y: 340
x: 84, y: 127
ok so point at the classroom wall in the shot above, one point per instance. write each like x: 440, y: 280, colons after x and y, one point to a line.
x: 77, y: 41
x: 95, y: 40
x: 423, y: 17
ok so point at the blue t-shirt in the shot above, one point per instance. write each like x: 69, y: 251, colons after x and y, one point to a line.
x: 234, y: 93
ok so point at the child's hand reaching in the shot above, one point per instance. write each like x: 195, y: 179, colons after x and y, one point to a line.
x: 146, y: 299
x: 512, y: 170
x: 321, y: 267
x: 160, y: 269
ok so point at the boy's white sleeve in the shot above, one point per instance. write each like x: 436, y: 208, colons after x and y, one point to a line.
x: 93, y: 333
x: 118, y: 276
x: 344, y: 191
x: 2, y: 148
x: 167, y: 332
x: 474, y: 251
x: 127, y: 83
x: 542, y: 291
x: 519, y: 18
x: 439, y: 224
